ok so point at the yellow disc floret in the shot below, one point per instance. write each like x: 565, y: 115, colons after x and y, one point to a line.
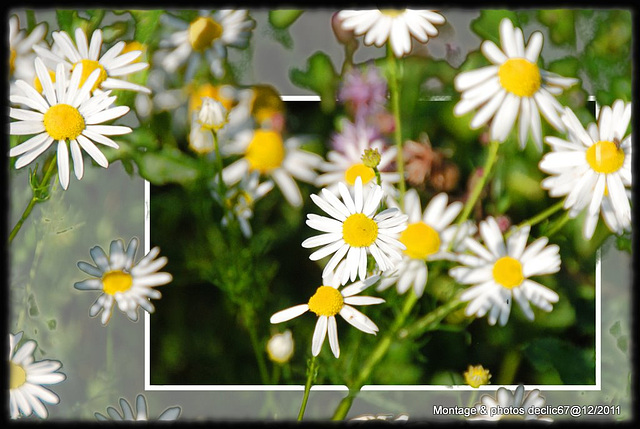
x: 17, y: 376
x: 507, y: 271
x: 605, y: 157
x: 520, y: 77
x: 392, y: 12
x: 63, y: 122
x: 365, y: 173
x: 88, y: 67
x: 207, y: 90
x: 421, y: 240
x: 359, y: 230
x: 38, y: 85
x: 266, y: 151
x: 116, y: 281
x: 134, y: 45
x: 12, y: 61
x: 202, y: 32
x: 327, y: 301
x: 266, y: 103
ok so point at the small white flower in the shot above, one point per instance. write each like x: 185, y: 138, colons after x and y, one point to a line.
x: 112, y: 65
x: 393, y: 26
x: 593, y: 168
x: 500, y: 273
x: 208, y: 37
x: 329, y: 301
x: 27, y: 378
x: 121, y: 281
x: 355, y: 229
x: 212, y: 114
x: 264, y: 151
x: 509, y: 406
x: 66, y: 112
x: 21, y: 53
x: 141, y: 414
x: 280, y: 347
x: 385, y: 417
x: 512, y: 87
x: 426, y: 238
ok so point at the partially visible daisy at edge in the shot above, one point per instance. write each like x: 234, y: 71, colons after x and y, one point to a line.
x: 327, y: 302
x: 393, y: 26
x: 593, y: 168
x: 512, y: 87
x: 21, y: 53
x: 113, y: 65
x: 141, y: 413
x: 206, y: 37
x: 266, y: 151
x: 354, y: 230
x: 66, y: 113
x: 27, y: 378
x: 499, y: 273
x: 508, y: 401
x: 121, y: 281
x: 426, y: 238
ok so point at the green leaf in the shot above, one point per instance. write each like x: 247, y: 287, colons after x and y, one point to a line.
x: 115, y: 31
x: 487, y: 26
x: 146, y: 23
x: 283, y: 18
x: 573, y: 365
x: 66, y: 19
x: 319, y: 77
x: 561, y: 25
x: 167, y: 166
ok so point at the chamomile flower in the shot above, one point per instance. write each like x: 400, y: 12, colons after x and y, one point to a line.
x: 476, y: 376
x: 512, y: 87
x: 593, y: 168
x: 141, y: 413
x: 426, y: 238
x: 66, y: 113
x: 513, y: 405
x: 326, y: 303
x: 500, y: 273
x: 355, y: 229
x: 206, y: 37
x: 121, y: 281
x: 21, y: 53
x: 265, y: 151
x: 393, y: 26
x: 112, y: 65
x: 27, y: 378
x: 346, y: 165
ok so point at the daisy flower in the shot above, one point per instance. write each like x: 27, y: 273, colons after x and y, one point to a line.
x: 141, y: 414
x: 354, y: 229
x: 501, y: 272
x: 364, y: 91
x: 513, y: 86
x: 206, y: 37
x: 329, y: 301
x: 67, y: 112
x: 513, y: 405
x: 346, y: 165
x: 27, y: 378
x: 21, y: 53
x: 112, y: 66
x: 392, y: 25
x: 265, y: 151
x: 593, y: 168
x: 121, y: 281
x: 426, y: 238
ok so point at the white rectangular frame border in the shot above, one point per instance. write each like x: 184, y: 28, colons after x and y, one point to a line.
x: 380, y: 388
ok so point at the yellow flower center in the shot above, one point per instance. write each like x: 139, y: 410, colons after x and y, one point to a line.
x: 266, y: 151
x: 134, y: 46
x: 359, y: 230
x: 365, y: 173
x: 12, y: 61
x: 38, y: 85
x: 477, y: 376
x: 210, y: 91
x: 605, y: 157
x: 202, y: 32
x: 116, y: 281
x: 17, y: 376
x: 266, y: 103
x: 63, y: 122
x: 520, y: 77
x: 507, y: 271
x: 421, y: 240
x: 88, y: 67
x: 327, y: 301
x: 392, y: 12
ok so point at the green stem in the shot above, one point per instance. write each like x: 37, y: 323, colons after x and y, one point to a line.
x: 432, y: 319
x: 537, y: 218
x: 558, y: 224
x: 312, y: 371
x: 395, y: 107
x: 477, y: 189
x: 378, y: 353
x: 255, y: 344
x: 35, y: 198
x: 222, y: 188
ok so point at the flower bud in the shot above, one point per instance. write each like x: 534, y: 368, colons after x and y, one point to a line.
x: 371, y: 158
x: 212, y: 114
x: 280, y: 347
